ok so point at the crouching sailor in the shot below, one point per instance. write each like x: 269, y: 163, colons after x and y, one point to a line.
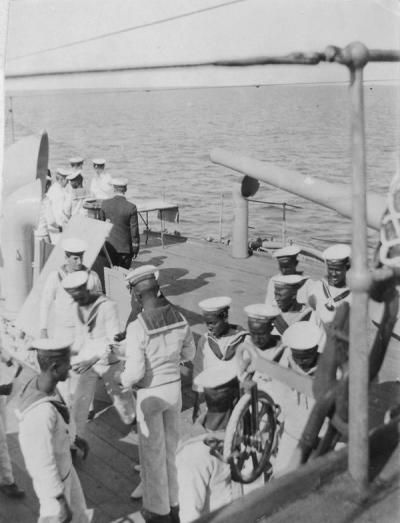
x: 205, y: 482
x: 156, y: 343
x: 45, y: 436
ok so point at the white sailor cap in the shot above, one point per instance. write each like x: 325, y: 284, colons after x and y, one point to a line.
x: 63, y: 172
x: 74, y: 174
x: 75, y: 279
x: 261, y: 311
x: 98, y: 161
x: 289, y: 250
x: 217, y: 375
x: 338, y: 253
x: 76, y: 160
x: 302, y: 335
x: 215, y: 304
x: 51, y: 345
x: 145, y: 272
x: 74, y: 245
x: 288, y: 280
x: 119, y: 181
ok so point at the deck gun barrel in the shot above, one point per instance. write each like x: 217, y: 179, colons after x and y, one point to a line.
x: 332, y: 195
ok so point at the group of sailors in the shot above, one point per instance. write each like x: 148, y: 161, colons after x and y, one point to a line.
x: 141, y: 372
x: 70, y: 192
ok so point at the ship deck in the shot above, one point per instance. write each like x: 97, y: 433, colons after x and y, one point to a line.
x: 189, y: 272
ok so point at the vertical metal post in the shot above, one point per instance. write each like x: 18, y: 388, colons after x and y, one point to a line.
x: 240, y: 240
x: 283, y: 224
x: 11, y: 111
x: 359, y: 279
x: 221, y: 214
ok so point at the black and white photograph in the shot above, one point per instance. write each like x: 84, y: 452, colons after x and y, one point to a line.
x: 199, y: 261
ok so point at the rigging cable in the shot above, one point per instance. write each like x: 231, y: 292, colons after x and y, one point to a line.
x: 128, y: 29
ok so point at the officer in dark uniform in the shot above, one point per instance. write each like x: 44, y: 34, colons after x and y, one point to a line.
x: 123, y: 242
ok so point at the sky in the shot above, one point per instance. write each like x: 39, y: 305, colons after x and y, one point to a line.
x: 71, y: 38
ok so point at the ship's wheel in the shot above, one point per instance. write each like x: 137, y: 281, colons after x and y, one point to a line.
x: 250, y: 435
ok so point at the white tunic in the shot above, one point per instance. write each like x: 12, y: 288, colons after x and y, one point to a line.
x: 45, y: 440
x: 57, y: 195
x: 205, y: 356
x: 327, y: 298
x: 295, y: 409
x: 57, y: 302
x: 95, y: 327
x: 153, y: 359
x: 204, y: 480
x: 101, y: 186
x: 73, y: 204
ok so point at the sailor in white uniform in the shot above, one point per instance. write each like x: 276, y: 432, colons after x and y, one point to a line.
x: 45, y: 435
x: 262, y: 341
x: 301, y: 341
x: 101, y: 184
x: 260, y: 322
x: 75, y: 198
x: 324, y: 296
x: 204, y: 480
x: 157, y: 342
x: 93, y: 353
x: 287, y: 258
x: 76, y: 163
x: 56, y: 196
x: 221, y: 340
x: 55, y: 303
x: 291, y: 310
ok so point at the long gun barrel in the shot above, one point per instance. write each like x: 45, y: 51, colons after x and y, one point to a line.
x: 334, y: 196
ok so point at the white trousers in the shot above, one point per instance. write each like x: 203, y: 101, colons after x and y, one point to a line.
x: 157, y: 412
x: 78, y: 392
x: 6, y: 475
x: 49, y: 507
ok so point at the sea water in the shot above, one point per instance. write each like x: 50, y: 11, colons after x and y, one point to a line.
x: 161, y: 141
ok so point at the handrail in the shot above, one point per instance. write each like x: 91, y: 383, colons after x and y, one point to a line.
x: 355, y: 57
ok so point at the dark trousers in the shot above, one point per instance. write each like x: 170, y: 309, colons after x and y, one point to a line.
x: 122, y: 259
